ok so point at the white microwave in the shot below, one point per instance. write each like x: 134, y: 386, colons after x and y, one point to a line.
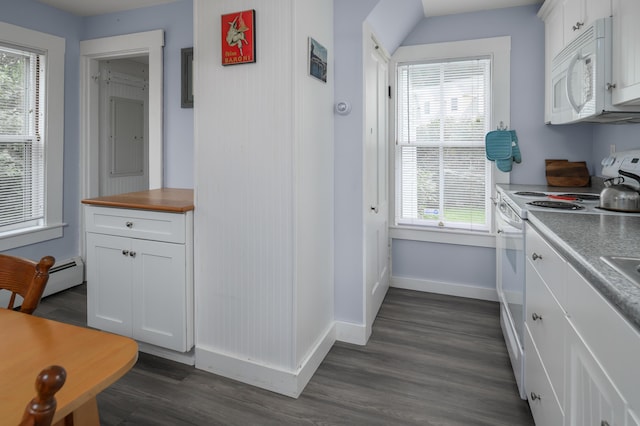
x: 581, y: 80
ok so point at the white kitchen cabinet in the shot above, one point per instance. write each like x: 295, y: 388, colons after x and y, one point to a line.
x: 140, y: 275
x: 580, y: 352
x: 626, y: 52
x: 593, y: 398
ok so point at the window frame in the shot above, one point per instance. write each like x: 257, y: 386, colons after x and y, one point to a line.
x: 499, y: 50
x: 54, y: 49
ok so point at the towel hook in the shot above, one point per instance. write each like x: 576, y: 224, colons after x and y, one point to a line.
x: 501, y: 126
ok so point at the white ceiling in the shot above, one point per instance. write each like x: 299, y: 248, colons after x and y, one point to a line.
x: 98, y: 7
x: 431, y: 7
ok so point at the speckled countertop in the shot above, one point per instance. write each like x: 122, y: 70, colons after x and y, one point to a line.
x: 583, y: 238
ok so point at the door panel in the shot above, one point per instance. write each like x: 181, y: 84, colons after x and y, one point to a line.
x: 376, y: 184
x: 109, y: 283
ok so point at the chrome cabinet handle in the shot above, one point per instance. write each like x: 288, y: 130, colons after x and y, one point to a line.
x: 536, y: 256
x: 500, y: 231
x: 577, y: 26
x: 132, y: 254
x: 125, y: 252
x: 535, y: 396
x: 536, y: 317
x: 129, y: 225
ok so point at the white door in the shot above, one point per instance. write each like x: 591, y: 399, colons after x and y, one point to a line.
x: 376, y: 207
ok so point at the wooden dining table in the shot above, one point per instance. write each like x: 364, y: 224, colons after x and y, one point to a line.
x: 93, y: 360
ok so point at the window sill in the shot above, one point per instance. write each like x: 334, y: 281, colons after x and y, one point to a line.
x: 443, y: 236
x: 28, y: 236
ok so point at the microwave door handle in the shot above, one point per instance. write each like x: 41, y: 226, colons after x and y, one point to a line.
x: 577, y: 108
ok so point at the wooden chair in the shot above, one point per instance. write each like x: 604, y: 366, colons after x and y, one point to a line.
x: 26, y: 278
x: 40, y: 410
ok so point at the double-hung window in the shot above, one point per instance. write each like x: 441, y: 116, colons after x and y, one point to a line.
x: 31, y: 132
x: 447, y: 98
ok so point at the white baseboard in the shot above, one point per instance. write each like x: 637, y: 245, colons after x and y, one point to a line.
x: 286, y: 382
x: 188, y: 358
x: 349, y: 332
x: 451, y: 289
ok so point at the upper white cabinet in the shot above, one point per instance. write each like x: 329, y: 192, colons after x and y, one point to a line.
x: 626, y: 52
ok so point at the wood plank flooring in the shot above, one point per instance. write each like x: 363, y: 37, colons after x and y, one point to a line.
x: 431, y: 360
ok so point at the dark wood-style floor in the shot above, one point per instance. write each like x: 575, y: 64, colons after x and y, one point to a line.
x: 431, y: 360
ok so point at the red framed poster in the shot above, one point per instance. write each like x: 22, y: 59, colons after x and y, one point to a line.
x: 239, y: 37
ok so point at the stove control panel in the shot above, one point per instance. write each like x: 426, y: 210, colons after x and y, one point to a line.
x: 628, y: 161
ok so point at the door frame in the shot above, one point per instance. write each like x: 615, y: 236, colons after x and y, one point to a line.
x: 149, y: 43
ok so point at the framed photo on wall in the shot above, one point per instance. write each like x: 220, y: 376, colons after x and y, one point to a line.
x: 317, y: 60
x: 186, y: 83
x: 239, y: 37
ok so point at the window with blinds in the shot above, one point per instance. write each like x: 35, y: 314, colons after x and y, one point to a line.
x: 21, y: 142
x: 443, y: 113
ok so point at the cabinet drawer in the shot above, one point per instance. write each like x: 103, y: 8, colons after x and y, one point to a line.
x: 548, y: 263
x: 141, y: 224
x: 545, y: 407
x: 546, y: 322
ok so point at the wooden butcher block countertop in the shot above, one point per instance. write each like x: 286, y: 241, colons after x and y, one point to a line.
x: 165, y: 199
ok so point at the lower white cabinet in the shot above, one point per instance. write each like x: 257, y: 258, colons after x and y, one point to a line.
x: 581, y: 355
x: 593, y: 398
x: 141, y: 286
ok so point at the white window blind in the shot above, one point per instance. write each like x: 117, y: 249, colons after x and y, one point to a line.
x: 21, y: 141
x: 443, y: 113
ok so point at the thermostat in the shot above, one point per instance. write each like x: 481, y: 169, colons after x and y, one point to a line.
x: 343, y: 107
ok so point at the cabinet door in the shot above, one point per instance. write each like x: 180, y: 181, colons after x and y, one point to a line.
x: 574, y: 19
x: 596, y: 9
x: 159, y: 294
x: 626, y: 52
x: 109, y: 283
x: 544, y: 404
x: 593, y: 399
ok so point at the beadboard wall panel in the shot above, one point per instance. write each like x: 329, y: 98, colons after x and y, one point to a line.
x: 313, y: 179
x: 264, y: 194
x: 244, y: 168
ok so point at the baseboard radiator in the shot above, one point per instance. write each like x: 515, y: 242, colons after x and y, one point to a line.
x: 63, y: 275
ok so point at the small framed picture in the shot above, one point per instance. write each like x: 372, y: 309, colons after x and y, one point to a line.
x: 239, y: 37
x: 317, y: 60
x: 186, y: 85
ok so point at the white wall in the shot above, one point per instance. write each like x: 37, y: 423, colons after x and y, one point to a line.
x: 263, y: 196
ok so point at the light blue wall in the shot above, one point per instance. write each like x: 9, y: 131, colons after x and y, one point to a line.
x: 177, y: 21
x: 623, y: 136
x: 348, y: 19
